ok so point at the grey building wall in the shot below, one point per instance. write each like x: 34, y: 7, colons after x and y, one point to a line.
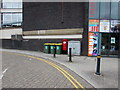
x: 85, y: 32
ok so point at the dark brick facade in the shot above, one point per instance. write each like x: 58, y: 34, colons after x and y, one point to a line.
x: 30, y: 44
x: 53, y: 15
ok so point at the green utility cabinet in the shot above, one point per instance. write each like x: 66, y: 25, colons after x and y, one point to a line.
x: 58, y: 48
x: 46, y: 47
x: 52, y: 46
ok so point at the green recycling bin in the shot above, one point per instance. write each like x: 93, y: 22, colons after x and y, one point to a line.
x: 58, y: 48
x: 46, y: 47
x: 52, y: 46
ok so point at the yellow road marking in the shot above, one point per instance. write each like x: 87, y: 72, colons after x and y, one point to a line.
x: 65, y: 76
x: 70, y: 76
x: 64, y: 72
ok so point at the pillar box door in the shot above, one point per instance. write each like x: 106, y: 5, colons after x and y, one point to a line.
x: 64, y: 44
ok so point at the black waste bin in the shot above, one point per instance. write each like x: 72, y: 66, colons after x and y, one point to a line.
x: 46, y: 47
x: 52, y: 46
x: 58, y: 48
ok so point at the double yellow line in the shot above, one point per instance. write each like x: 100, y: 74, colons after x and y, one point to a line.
x: 74, y: 82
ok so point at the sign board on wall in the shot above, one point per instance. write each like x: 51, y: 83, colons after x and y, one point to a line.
x: 112, y: 40
x: 93, y: 25
x: 104, y: 25
x: 115, y: 26
x: 92, y: 44
x: 93, y: 9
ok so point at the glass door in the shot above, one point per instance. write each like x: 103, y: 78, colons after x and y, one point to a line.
x: 109, y: 44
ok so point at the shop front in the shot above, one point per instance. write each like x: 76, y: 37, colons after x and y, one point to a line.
x: 103, y: 37
x: 104, y: 28
x: 109, y: 44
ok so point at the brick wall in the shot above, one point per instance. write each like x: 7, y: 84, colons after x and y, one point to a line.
x: 53, y: 15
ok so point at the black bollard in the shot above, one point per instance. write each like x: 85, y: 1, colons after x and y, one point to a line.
x: 70, y: 52
x: 98, y: 65
x: 54, y: 52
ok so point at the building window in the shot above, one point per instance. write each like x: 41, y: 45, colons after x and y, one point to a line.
x: 11, y: 19
x: 15, y: 4
x: 114, y: 10
x: 104, y: 10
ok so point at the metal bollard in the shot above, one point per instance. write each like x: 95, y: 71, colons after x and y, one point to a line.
x: 70, y: 58
x: 98, y: 65
x: 54, y: 55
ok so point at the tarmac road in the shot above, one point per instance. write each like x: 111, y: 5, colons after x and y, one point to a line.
x: 25, y: 71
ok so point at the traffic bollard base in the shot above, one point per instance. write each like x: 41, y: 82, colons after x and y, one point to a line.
x: 98, y: 74
x: 70, y: 61
x: 54, y: 56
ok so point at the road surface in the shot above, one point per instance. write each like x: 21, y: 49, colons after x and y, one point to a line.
x: 25, y: 71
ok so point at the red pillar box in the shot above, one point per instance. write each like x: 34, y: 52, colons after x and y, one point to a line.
x: 65, y: 45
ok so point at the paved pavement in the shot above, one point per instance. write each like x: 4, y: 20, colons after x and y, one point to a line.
x: 21, y: 71
x: 85, y: 67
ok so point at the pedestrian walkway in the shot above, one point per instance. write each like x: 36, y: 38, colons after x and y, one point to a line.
x: 85, y: 67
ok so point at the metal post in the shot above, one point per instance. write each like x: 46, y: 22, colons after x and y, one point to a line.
x: 98, y: 65
x: 70, y: 58
x: 54, y: 52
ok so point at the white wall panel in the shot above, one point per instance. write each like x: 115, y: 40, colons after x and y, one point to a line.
x: 53, y: 37
x: 6, y: 33
x: 10, y: 10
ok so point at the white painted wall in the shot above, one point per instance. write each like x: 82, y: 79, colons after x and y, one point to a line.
x: 53, y: 37
x: 6, y: 33
x: 11, y: 10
